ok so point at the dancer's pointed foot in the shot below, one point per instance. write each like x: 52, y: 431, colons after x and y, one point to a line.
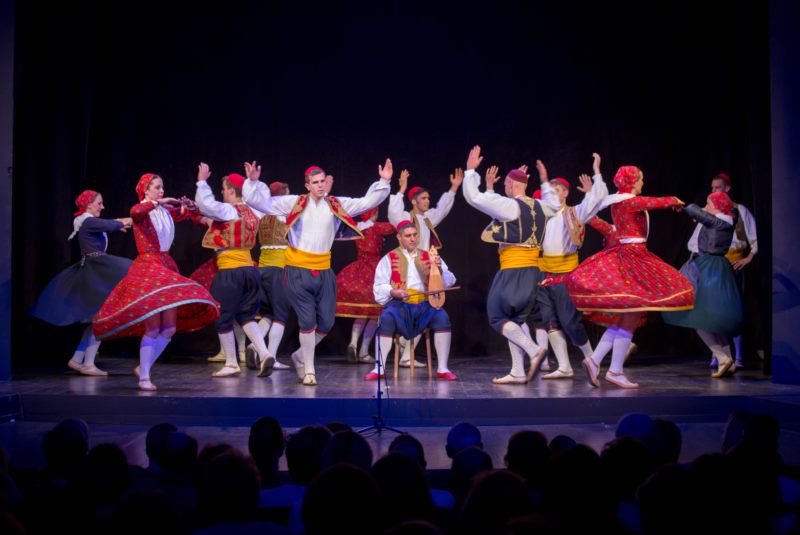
x: 299, y: 364
x: 280, y: 365
x: 510, y: 380
x: 93, y: 371
x: 77, y: 366
x: 592, y: 369
x: 620, y: 380
x: 146, y: 385
x: 726, y: 367
x: 266, y: 366
x: 251, y: 358
x: 536, y: 361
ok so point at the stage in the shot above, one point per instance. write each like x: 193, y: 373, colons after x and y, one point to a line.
x: 677, y: 388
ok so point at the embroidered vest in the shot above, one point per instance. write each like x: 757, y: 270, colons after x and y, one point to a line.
x: 399, y: 264
x: 576, y: 229
x: 237, y: 234
x: 435, y: 241
x: 272, y: 231
x: 335, y: 206
x: 527, y: 229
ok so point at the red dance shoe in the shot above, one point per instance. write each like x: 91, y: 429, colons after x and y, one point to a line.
x: 372, y: 376
x: 447, y: 376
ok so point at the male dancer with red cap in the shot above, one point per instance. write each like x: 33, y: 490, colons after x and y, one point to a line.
x: 312, y: 220
x: 518, y: 224
x: 237, y: 284
x: 562, y: 238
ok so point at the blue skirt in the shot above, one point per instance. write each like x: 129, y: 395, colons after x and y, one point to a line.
x: 77, y: 293
x: 718, y: 301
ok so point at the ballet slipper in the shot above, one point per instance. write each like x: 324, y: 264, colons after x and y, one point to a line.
x: 227, y: 371
x: 620, y: 380
x: 559, y: 374
x: 510, y: 380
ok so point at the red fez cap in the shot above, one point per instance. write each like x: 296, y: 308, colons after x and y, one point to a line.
x: 236, y: 180
x: 561, y: 181
x: 537, y: 194
x: 276, y: 188
x: 83, y: 200
x: 404, y: 224
x: 313, y: 170
x: 725, y: 177
x: 517, y: 176
x: 413, y: 192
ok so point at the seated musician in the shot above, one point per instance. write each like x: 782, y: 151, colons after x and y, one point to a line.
x: 401, y: 283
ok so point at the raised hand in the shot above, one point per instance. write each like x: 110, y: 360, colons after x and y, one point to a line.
x: 456, y: 179
x: 203, y: 172
x: 542, y: 171
x: 328, y: 183
x: 474, y: 159
x: 386, y: 171
x: 596, y: 163
x: 586, y: 183
x: 252, y: 170
x: 492, y: 177
x: 403, y: 180
x: 188, y: 203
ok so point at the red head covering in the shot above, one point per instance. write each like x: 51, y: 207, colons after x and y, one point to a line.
x: 626, y: 177
x: 413, y: 192
x: 236, y: 180
x: 313, y: 170
x: 141, y: 187
x: 725, y: 177
x: 537, y: 194
x: 561, y: 181
x: 517, y: 176
x: 276, y: 188
x: 365, y: 216
x: 404, y: 224
x: 84, y: 199
x: 721, y: 200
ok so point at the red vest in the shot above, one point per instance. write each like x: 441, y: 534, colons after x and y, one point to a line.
x: 333, y: 203
x: 236, y: 234
x: 399, y: 263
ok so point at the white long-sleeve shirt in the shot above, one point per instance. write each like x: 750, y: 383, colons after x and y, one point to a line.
x: 211, y: 207
x: 749, y: 223
x: 504, y: 208
x: 557, y: 240
x: 435, y: 215
x: 316, y: 227
x: 382, y: 287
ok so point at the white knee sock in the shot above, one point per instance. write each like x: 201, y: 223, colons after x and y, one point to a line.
x: 366, y: 342
x: 517, y: 334
x: 441, y: 341
x: 265, y: 324
x: 559, y: 344
x: 227, y: 342
x: 147, y: 355
x: 713, y: 343
x: 93, y: 345
x: 517, y: 359
x: 604, y: 345
x: 80, y: 351
x: 622, y: 340
x: 255, y: 336
x: 586, y: 349
x: 385, y: 347
x: 307, y: 344
x: 241, y: 339
x: 355, y: 333
x: 541, y: 337
x: 407, y: 354
x: 275, y: 337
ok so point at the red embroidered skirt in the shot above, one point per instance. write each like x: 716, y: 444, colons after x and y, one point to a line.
x: 627, y: 278
x: 205, y: 273
x: 354, y: 297
x: 154, y: 285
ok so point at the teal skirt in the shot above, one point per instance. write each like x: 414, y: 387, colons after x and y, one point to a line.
x: 718, y: 301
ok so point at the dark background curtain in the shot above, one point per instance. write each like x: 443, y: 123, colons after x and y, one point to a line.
x: 106, y: 92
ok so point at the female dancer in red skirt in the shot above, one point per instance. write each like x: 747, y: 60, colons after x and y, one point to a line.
x: 354, y: 298
x: 153, y: 300
x: 627, y: 278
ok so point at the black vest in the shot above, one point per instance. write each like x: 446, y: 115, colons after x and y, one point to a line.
x: 527, y: 229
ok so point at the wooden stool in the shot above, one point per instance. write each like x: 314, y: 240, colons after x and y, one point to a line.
x: 427, y: 333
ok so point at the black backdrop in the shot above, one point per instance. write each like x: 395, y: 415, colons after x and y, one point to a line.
x: 104, y: 93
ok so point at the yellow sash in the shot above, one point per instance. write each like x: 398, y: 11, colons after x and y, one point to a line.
x: 415, y: 297
x: 272, y: 258
x: 234, y: 258
x: 734, y: 255
x: 304, y: 259
x: 558, y: 263
x: 518, y: 257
